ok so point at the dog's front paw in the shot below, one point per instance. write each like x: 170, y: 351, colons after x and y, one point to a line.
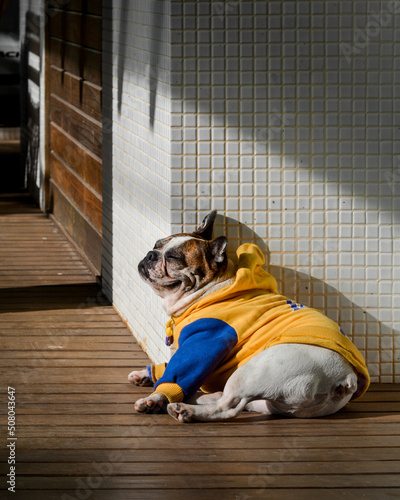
x: 180, y: 412
x: 140, y: 378
x: 151, y: 403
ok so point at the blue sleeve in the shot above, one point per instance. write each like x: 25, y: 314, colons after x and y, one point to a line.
x: 202, y: 346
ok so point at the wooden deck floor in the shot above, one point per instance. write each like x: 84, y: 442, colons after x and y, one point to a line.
x: 67, y: 354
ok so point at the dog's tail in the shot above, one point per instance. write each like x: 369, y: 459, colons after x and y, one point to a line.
x: 347, y: 386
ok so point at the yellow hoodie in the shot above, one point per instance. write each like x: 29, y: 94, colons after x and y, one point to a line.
x: 227, y: 328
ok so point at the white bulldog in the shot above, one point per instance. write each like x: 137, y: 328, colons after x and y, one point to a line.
x: 245, y: 345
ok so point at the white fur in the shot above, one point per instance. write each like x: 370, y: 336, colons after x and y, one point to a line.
x: 178, y: 241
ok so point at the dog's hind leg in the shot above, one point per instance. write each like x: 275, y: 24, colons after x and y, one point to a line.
x: 214, y: 406
x: 204, y: 399
x: 224, y: 408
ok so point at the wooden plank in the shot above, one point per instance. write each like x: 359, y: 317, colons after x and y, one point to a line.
x: 210, y: 455
x: 70, y: 260
x: 125, y: 396
x: 139, y: 468
x: 68, y: 375
x: 85, y: 130
x: 80, y: 61
x: 82, y: 196
x: 100, y: 342
x: 33, y: 23
x: 101, y: 313
x: 21, y: 254
x: 33, y: 75
x: 89, y: 6
x: 82, y: 362
x: 126, y: 362
x: 87, y: 322
x: 56, y: 333
x: 86, y: 237
x: 106, y: 427
x: 211, y: 493
x: 37, y: 238
x: 74, y: 292
x: 75, y: 355
x: 33, y: 373
x: 48, y: 281
x: 227, y: 481
x: 82, y: 29
x: 32, y: 45
x: 43, y: 273
x: 122, y: 386
x: 191, y: 443
x: 380, y: 396
x: 77, y: 91
x: 77, y: 157
x: 383, y: 387
x: 71, y: 264
x: 248, y: 420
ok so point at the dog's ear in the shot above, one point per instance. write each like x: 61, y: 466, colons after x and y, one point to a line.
x: 206, y: 227
x: 218, y: 248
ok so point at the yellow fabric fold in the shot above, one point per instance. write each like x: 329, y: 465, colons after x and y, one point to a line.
x: 157, y: 371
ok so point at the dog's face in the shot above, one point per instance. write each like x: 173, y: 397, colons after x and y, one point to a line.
x: 181, y: 265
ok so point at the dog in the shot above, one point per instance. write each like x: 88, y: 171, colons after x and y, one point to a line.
x: 245, y: 345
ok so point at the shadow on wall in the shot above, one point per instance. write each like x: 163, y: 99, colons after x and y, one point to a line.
x: 154, y: 33
x: 308, y: 290
x: 107, y: 149
x: 125, y: 4
x: 140, y: 66
x: 223, y: 55
x: 247, y: 63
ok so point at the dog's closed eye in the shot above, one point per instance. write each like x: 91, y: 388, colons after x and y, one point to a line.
x: 170, y: 256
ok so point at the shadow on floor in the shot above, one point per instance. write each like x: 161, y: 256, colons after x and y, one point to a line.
x: 51, y: 297
x: 10, y: 170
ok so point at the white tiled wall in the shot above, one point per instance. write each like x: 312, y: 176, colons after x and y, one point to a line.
x: 284, y: 116
x: 136, y: 158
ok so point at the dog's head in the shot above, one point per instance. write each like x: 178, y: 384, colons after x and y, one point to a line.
x: 180, y: 266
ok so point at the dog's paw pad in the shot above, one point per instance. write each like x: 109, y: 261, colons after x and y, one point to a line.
x: 145, y: 405
x: 180, y: 412
x: 140, y: 379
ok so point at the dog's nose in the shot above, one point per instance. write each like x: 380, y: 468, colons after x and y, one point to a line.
x: 151, y: 256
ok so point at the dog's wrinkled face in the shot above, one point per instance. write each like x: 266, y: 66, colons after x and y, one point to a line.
x: 182, y: 264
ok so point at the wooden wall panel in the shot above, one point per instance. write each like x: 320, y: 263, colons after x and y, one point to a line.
x: 80, y: 159
x: 88, y: 6
x: 77, y: 60
x: 82, y: 196
x: 82, y: 29
x: 75, y: 123
x: 80, y: 126
x: 70, y: 219
x: 76, y: 91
